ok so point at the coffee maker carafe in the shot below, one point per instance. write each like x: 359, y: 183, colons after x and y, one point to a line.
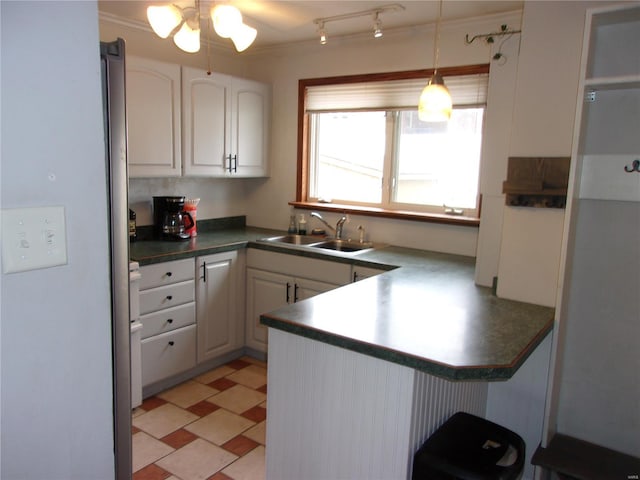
x: 170, y: 218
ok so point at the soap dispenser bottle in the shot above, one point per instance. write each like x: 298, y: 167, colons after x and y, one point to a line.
x: 293, y: 228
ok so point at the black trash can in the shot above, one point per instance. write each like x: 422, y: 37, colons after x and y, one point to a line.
x: 468, y: 447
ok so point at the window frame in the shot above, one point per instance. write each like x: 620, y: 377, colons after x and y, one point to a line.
x: 302, y: 177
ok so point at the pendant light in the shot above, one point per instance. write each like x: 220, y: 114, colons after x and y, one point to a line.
x: 435, y: 103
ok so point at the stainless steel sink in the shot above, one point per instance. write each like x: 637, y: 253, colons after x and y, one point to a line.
x: 343, y: 245
x: 293, y: 239
x: 309, y: 241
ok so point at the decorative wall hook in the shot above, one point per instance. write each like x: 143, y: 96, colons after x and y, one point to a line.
x: 634, y: 167
x: 490, y: 38
x: 504, y: 30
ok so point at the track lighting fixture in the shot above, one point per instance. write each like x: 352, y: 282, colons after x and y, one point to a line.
x: 375, y: 13
x: 184, y: 24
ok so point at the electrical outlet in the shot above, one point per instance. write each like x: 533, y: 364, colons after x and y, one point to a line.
x: 33, y: 238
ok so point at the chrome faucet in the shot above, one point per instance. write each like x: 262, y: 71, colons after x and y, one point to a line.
x: 338, y: 230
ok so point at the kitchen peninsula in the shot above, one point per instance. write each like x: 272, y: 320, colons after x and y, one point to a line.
x: 359, y: 376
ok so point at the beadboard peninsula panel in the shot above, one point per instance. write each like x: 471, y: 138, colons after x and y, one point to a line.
x: 338, y: 414
x: 334, y: 413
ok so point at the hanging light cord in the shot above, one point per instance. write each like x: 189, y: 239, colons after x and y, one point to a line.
x: 436, y: 46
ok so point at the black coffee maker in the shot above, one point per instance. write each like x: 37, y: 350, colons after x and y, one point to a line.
x: 170, y: 219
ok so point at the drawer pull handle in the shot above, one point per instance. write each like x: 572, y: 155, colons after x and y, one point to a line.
x: 171, y: 343
x: 170, y: 320
x: 169, y: 297
x: 288, y: 287
x: 168, y: 274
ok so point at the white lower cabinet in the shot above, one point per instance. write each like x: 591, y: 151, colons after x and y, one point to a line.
x: 360, y: 273
x: 219, y: 300
x: 168, y: 354
x: 275, y: 279
x: 167, y: 307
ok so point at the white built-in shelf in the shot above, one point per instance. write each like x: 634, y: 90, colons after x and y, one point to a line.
x: 612, y: 83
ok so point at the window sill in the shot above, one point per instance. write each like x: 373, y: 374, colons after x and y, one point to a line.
x: 395, y: 214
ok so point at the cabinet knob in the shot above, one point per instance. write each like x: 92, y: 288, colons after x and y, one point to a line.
x: 169, y: 320
x: 168, y: 274
x: 169, y: 297
x: 171, y: 343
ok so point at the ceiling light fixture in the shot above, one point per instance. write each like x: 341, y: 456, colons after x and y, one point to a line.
x: 375, y: 12
x: 435, y: 102
x: 184, y: 24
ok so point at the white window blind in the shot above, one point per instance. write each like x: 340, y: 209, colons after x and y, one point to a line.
x: 466, y: 90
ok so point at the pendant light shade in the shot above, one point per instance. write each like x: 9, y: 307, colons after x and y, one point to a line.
x: 226, y: 19
x: 435, y: 103
x: 164, y: 19
x: 187, y: 39
x: 243, y: 37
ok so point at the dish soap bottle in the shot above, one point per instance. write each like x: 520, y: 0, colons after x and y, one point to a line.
x: 302, y: 225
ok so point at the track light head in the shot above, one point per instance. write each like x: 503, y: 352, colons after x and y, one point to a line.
x: 323, y: 33
x: 377, y: 29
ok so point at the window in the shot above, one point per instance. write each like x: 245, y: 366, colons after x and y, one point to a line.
x: 364, y: 146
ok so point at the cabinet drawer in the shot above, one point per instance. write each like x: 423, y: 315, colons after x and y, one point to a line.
x: 166, y: 273
x: 158, y: 298
x: 168, y: 354
x: 168, y: 319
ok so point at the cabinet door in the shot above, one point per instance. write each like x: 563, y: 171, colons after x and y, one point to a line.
x: 206, y: 107
x: 305, y: 288
x: 153, y: 118
x: 360, y: 273
x: 266, y: 291
x: 217, y: 312
x: 252, y: 106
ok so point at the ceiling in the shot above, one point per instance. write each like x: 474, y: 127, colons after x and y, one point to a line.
x: 287, y: 21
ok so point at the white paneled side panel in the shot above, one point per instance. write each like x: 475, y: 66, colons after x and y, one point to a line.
x: 611, y: 177
x: 334, y: 413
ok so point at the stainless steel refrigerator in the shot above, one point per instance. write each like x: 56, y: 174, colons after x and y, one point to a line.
x: 115, y: 127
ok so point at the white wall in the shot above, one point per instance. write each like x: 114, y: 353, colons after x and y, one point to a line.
x: 543, y: 117
x: 56, y: 403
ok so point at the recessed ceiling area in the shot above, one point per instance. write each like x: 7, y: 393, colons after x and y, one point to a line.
x: 282, y: 22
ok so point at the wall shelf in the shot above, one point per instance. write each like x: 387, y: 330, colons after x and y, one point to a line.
x: 539, y: 182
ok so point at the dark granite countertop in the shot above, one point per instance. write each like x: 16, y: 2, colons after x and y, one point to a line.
x: 428, y: 315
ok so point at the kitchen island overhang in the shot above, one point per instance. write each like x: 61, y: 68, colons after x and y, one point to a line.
x: 437, y: 322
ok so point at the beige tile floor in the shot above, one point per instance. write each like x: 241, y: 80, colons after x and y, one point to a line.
x: 209, y: 428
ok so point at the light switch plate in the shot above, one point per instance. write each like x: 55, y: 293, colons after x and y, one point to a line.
x: 33, y: 238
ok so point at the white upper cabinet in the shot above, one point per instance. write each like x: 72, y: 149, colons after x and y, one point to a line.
x: 225, y: 125
x: 153, y: 118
